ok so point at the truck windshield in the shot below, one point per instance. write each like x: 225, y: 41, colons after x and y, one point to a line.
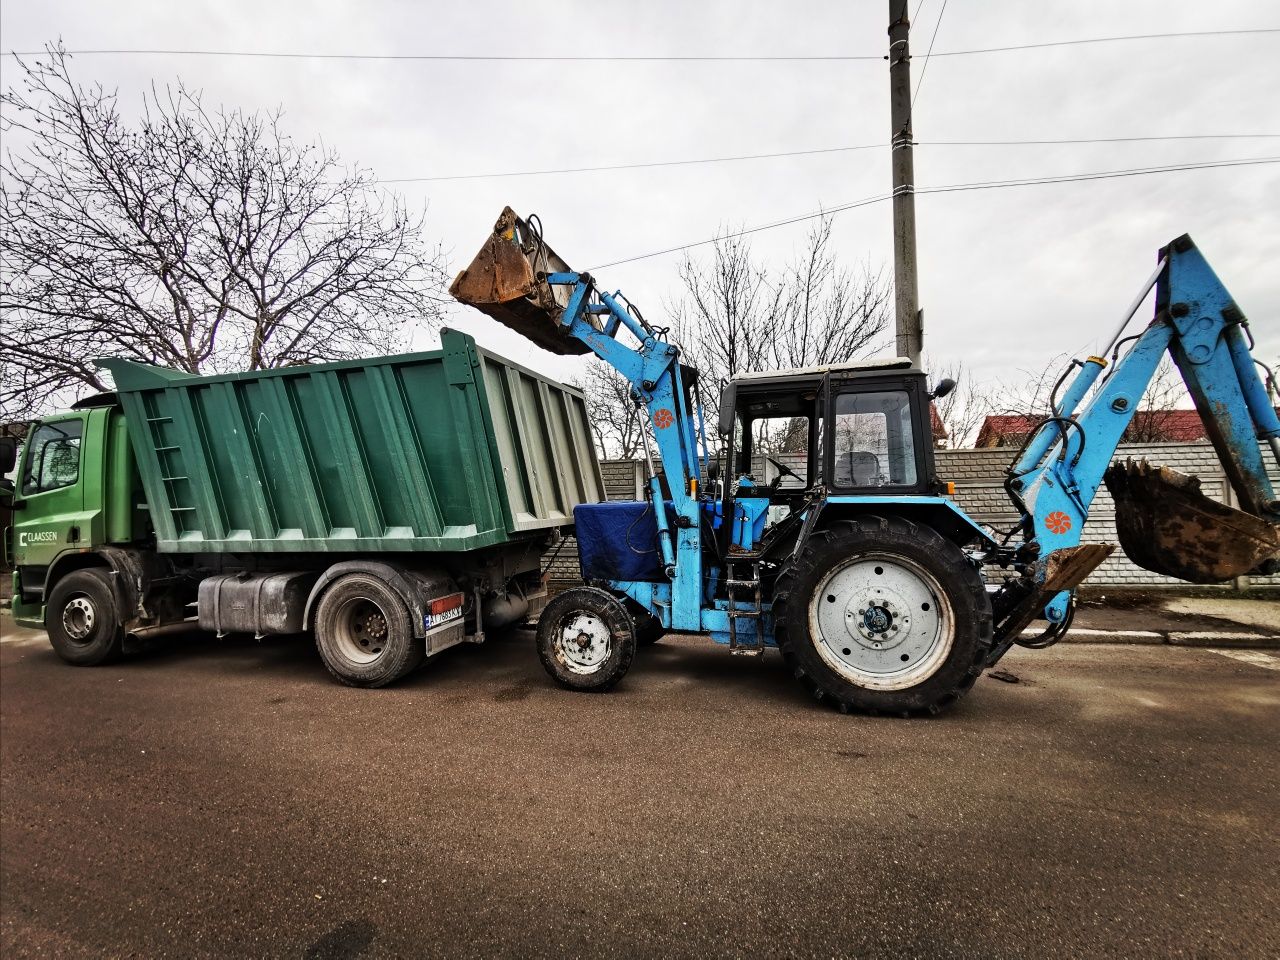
x: 874, y: 446
x: 53, y: 457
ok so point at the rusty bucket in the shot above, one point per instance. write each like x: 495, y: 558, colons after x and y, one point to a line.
x: 1166, y: 525
x: 503, y: 281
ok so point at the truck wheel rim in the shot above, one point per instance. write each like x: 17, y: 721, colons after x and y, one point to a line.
x: 78, y: 618
x: 584, y: 642
x: 881, y: 622
x: 361, y: 631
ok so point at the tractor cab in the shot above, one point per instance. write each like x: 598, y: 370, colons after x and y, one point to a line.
x: 854, y: 429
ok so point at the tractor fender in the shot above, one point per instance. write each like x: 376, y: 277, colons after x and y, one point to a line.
x: 417, y: 588
x: 938, y: 513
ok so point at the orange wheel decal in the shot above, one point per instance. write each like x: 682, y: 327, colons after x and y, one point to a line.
x: 663, y: 419
x: 1058, y: 522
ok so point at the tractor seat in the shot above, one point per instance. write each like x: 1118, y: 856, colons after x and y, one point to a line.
x: 857, y: 468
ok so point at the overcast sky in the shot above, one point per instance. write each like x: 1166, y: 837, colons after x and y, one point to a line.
x: 1008, y: 278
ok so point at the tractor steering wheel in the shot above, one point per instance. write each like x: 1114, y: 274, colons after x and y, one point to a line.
x: 783, y: 470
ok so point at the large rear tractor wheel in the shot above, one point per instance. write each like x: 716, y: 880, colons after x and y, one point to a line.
x: 882, y: 615
x: 81, y: 619
x: 364, y: 632
x: 586, y: 639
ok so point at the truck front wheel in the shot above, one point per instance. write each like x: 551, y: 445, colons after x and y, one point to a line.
x: 81, y: 619
x: 586, y: 639
x: 364, y: 633
x: 885, y: 616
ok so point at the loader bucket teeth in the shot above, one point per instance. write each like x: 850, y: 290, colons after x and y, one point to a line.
x: 1166, y: 525
x: 503, y: 282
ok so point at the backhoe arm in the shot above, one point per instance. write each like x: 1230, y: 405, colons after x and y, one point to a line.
x: 1164, y: 523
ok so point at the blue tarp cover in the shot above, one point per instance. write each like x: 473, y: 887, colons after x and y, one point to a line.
x: 618, y: 540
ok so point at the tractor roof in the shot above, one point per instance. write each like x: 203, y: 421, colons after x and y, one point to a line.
x: 764, y: 377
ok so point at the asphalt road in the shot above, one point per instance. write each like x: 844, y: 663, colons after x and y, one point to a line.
x: 225, y: 799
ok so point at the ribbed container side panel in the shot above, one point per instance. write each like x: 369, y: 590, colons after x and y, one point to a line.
x: 444, y: 451
x: 544, y: 445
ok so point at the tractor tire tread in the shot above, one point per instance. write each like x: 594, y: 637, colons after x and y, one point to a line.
x: 872, y: 528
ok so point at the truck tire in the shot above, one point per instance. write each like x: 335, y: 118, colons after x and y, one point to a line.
x: 364, y: 632
x: 882, y: 615
x: 586, y: 639
x: 82, y: 620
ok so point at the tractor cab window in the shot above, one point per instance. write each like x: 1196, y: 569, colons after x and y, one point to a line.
x: 874, y: 445
x: 53, y: 457
x: 772, y: 443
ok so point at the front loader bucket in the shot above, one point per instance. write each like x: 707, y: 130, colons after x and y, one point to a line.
x: 1166, y: 525
x: 503, y: 281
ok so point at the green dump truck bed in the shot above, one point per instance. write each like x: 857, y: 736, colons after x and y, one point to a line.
x: 449, y: 450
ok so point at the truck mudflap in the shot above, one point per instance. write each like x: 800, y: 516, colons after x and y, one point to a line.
x: 1166, y: 525
x: 505, y: 281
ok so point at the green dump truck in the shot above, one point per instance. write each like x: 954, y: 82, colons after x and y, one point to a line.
x: 395, y: 506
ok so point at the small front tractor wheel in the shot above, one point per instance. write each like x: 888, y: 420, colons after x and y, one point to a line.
x: 883, y: 615
x: 81, y: 619
x: 586, y: 639
x: 364, y: 632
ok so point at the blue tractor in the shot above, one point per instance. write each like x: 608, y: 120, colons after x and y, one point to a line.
x: 827, y: 532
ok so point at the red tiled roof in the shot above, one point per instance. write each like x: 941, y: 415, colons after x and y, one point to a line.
x: 936, y: 425
x: 1161, y: 426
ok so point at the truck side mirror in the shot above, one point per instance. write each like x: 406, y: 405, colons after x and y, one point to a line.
x: 8, y: 453
x: 945, y: 386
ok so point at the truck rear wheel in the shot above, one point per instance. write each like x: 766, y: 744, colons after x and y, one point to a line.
x: 586, y: 639
x: 81, y: 619
x: 885, y: 616
x: 364, y: 632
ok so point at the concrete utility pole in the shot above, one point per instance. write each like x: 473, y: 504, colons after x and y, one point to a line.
x: 910, y: 319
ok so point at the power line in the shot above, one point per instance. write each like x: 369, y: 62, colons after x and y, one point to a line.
x: 952, y: 188
x: 928, y: 53
x: 639, y: 166
x: 561, y: 58
x: 825, y: 150
x: 1135, y: 36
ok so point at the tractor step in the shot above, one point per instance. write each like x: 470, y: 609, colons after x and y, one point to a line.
x: 754, y: 640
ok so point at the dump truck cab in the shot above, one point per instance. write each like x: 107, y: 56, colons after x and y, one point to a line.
x: 76, y: 491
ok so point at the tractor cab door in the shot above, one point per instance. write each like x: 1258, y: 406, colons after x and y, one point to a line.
x: 772, y: 430
x: 878, y: 439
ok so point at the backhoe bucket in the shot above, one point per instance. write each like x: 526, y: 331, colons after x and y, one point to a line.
x: 504, y: 282
x: 1166, y: 525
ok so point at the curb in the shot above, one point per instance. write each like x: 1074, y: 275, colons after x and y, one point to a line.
x: 1172, y: 638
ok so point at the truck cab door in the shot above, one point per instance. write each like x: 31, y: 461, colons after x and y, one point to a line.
x: 48, y: 501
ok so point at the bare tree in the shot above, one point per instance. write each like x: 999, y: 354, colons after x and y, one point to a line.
x: 735, y: 315
x: 964, y: 408
x: 199, y: 239
x: 615, y: 419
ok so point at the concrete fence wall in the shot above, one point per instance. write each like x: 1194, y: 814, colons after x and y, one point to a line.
x: 979, y: 480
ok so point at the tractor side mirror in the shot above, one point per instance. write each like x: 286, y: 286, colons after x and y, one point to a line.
x: 713, y: 471
x: 945, y: 386
x: 8, y: 453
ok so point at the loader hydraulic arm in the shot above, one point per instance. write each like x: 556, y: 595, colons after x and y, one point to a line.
x: 1163, y: 522
x: 517, y: 279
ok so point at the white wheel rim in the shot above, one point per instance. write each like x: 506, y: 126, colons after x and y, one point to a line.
x: 78, y: 618
x: 360, y: 631
x: 583, y: 643
x: 881, y: 622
